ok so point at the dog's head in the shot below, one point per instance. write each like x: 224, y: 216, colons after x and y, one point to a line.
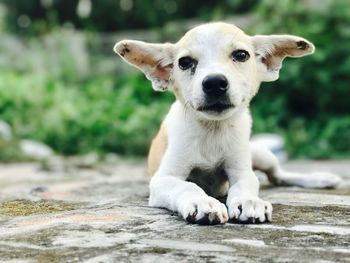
x: 215, y: 69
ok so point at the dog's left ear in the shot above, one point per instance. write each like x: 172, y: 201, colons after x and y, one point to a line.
x: 154, y: 60
x: 271, y: 50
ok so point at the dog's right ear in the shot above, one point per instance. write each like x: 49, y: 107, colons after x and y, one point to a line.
x: 155, y: 60
x: 271, y: 50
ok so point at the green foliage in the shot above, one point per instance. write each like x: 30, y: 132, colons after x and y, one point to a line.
x: 113, y: 15
x: 103, y: 114
x: 309, y: 103
x: 48, y: 96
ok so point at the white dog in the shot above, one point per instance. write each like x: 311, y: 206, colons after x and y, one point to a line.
x: 202, y: 152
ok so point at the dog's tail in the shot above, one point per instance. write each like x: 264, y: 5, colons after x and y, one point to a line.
x: 265, y: 161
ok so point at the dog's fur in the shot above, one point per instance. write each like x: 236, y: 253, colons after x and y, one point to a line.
x: 202, y: 152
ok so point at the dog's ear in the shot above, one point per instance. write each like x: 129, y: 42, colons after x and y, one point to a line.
x: 154, y: 60
x: 271, y: 50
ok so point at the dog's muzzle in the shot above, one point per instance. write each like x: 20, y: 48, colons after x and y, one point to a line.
x: 215, y: 88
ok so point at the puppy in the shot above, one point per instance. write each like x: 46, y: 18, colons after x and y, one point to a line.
x: 202, y: 151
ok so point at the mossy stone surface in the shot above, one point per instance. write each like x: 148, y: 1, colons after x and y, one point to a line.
x: 27, y: 207
x: 100, y: 214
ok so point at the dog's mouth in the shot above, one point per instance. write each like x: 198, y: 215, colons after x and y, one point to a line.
x: 218, y: 107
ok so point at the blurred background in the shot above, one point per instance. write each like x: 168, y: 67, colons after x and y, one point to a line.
x: 63, y: 89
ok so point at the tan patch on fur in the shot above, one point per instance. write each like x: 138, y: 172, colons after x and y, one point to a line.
x: 140, y: 58
x: 136, y: 56
x: 291, y: 48
x: 157, y: 150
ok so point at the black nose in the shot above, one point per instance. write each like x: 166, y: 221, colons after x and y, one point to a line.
x: 215, y: 85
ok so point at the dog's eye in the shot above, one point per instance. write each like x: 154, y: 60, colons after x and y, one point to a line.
x: 186, y: 63
x: 240, y: 55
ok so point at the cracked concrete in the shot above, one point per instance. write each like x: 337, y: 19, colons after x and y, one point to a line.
x: 62, y: 211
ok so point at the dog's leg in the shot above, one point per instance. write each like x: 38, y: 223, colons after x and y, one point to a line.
x: 265, y: 161
x: 243, y: 202
x: 186, y: 198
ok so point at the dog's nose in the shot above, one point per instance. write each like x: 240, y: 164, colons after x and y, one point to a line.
x: 215, y: 85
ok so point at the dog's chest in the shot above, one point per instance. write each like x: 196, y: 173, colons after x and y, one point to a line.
x: 210, y: 148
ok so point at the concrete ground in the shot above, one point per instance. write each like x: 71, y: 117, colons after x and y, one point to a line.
x: 80, y: 211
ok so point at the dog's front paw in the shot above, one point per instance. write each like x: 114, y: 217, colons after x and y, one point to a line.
x: 249, y: 210
x: 205, y: 211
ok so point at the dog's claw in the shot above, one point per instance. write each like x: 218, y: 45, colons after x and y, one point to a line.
x: 208, y: 211
x: 252, y: 211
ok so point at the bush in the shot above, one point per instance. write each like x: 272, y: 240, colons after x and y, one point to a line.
x: 309, y: 104
x: 103, y: 114
x: 48, y: 97
x: 114, y: 15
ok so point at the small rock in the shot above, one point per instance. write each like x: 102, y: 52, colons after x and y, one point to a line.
x: 88, y: 161
x: 55, y: 164
x: 36, y: 150
x: 39, y: 189
x: 112, y: 158
x: 5, y: 131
